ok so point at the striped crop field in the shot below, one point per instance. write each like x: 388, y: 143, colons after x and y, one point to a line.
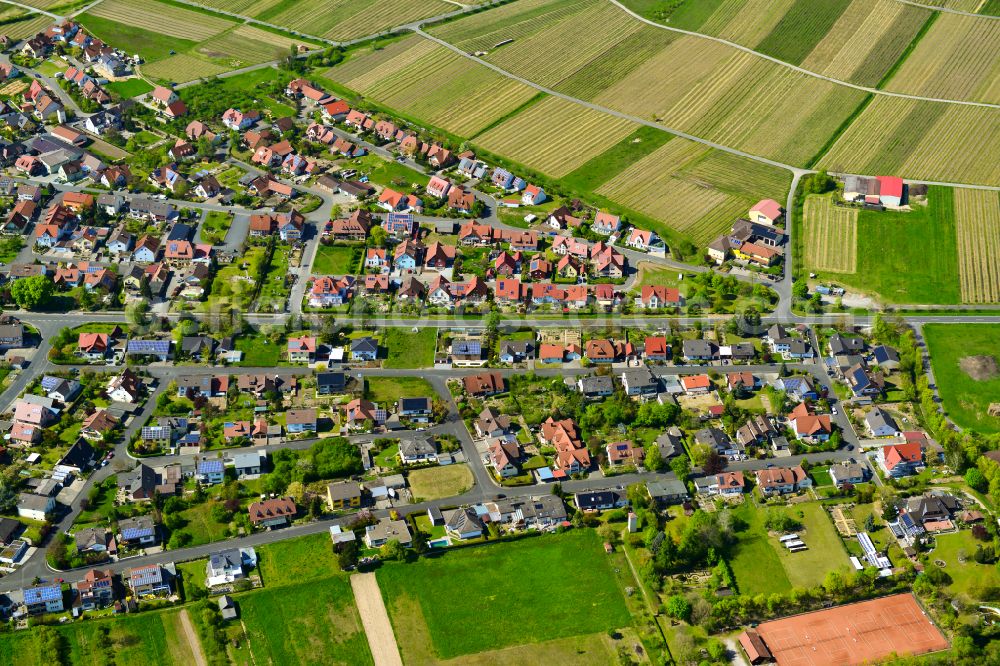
x: 539, y: 57
x: 183, y: 67
x: 350, y: 19
x: 977, y: 227
x: 555, y: 136
x: 958, y: 58
x: 515, y: 20
x: 734, y: 98
x: 26, y: 27
x: 242, y: 7
x: 853, y: 40
x: 866, y: 41
x: 962, y: 5
x: 694, y: 190
x: 246, y: 45
x: 162, y: 18
x: 426, y: 81
x: 830, y: 235
x: 922, y: 141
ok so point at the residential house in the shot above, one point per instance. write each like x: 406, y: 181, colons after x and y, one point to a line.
x: 301, y: 349
x: 300, y: 420
x: 625, y: 453
x: 782, y: 480
x: 899, y: 460
x: 879, y: 423
x: 484, y: 384
x: 463, y: 524
x: 417, y: 451
x: 847, y: 473
x: 699, y: 350
x: 276, y: 512
x: 639, y: 381
x: 503, y: 456
x: 600, y: 500
x: 808, y: 426
x: 596, y: 386
x: 137, y: 532
x: 149, y: 581
x: 43, y: 598
x: 227, y: 566
x: 343, y: 495
x: 386, y: 530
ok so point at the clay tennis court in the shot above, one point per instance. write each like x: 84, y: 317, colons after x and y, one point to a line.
x: 853, y: 634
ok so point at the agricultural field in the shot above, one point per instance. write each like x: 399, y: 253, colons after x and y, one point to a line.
x: 421, y: 79
x: 555, y: 136
x: 958, y: 58
x: 977, y: 227
x: 920, y: 140
x: 515, y: 20
x: 152, y: 46
x: 694, y: 190
x: 246, y: 45
x: 965, y: 358
x: 26, y: 27
x: 349, y: 19
x: 291, y: 561
x: 857, y: 41
x: 422, y: 602
x: 312, y: 622
x: 434, y: 483
x: 831, y: 235
x: 161, y: 18
x: 242, y: 7
x: 902, y: 257
x: 129, y: 87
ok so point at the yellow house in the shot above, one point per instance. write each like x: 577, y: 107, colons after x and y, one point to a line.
x: 343, y: 495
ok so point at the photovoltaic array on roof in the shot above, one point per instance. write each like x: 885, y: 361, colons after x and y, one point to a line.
x: 130, y: 533
x: 149, y: 346
x: 35, y: 595
x: 146, y: 575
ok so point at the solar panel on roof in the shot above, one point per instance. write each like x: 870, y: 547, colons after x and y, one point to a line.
x: 149, y: 346
x: 130, y: 533
x: 33, y: 595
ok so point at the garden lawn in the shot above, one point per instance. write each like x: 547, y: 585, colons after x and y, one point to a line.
x: 10, y: 248
x: 312, y: 622
x: 434, y: 483
x: 215, y: 227
x: 337, y: 259
x: 388, y: 457
x: 409, y: 349
x: 826, y: 552
x: 129, y: 87
x: 755, y: 563
x: 200, y: 525
x: 821, y: 477
x: 387, y: 390
x: 461, y: 589
x: 389, y: 174
x: 967, y: 577
x: 966, y: 400
x: 294, y: 560
x: 194, y: 575
x: 258, y: 352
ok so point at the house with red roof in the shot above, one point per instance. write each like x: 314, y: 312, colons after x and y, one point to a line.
x: 766, y: 211
x: 533, y: 195
x: 656, y: 348
x: 696, y: 384
x: 657, y: 297
x: 301, y: 349
x: 898, y: 460
x: 94, y: 346
x: 809, y: 426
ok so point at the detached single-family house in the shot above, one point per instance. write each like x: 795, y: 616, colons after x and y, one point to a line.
x: 898, y: 460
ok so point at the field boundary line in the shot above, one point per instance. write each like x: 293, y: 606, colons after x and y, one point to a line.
x: 947, y: 10
x: 375, y: 620
x: 32, y: 10
x: 801, y: 70
x: 192, y: 639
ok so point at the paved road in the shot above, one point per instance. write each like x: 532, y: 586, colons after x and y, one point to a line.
x: 746, y: 49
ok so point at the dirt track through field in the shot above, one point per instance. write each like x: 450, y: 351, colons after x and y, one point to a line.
x: 192, y: 639
x: 375, y: 619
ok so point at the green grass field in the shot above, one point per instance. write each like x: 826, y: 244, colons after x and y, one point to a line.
x: 312, y: 622
x: 337, y: 259
x: 755, y: 563
x: 201, y: 526
x: 387, y: 390
x: 965, y: 399
x: 967, y: 577
x: 826, y: 552
x: 129, y: 87
x: 462, y: 589
x: 801, y: 28
x: 215, y: 226
x: 257, y: 352
x: 291, y: 561
x: 135, y: 640
x: 438, y: 482
x: 152, y: 46
x: 408, y: 349
x: 907, y: 257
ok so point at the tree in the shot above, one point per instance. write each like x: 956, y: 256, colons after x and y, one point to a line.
x: 377, y: 236
x: 32, y: 292
x: 976, y: 480
x: 347, y: 555
x: 800, y: 289
x: 714, y: 462
x: 654, y: 460
x: 393, y: 550
x: 679, y: 608
x: 681, y: 466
